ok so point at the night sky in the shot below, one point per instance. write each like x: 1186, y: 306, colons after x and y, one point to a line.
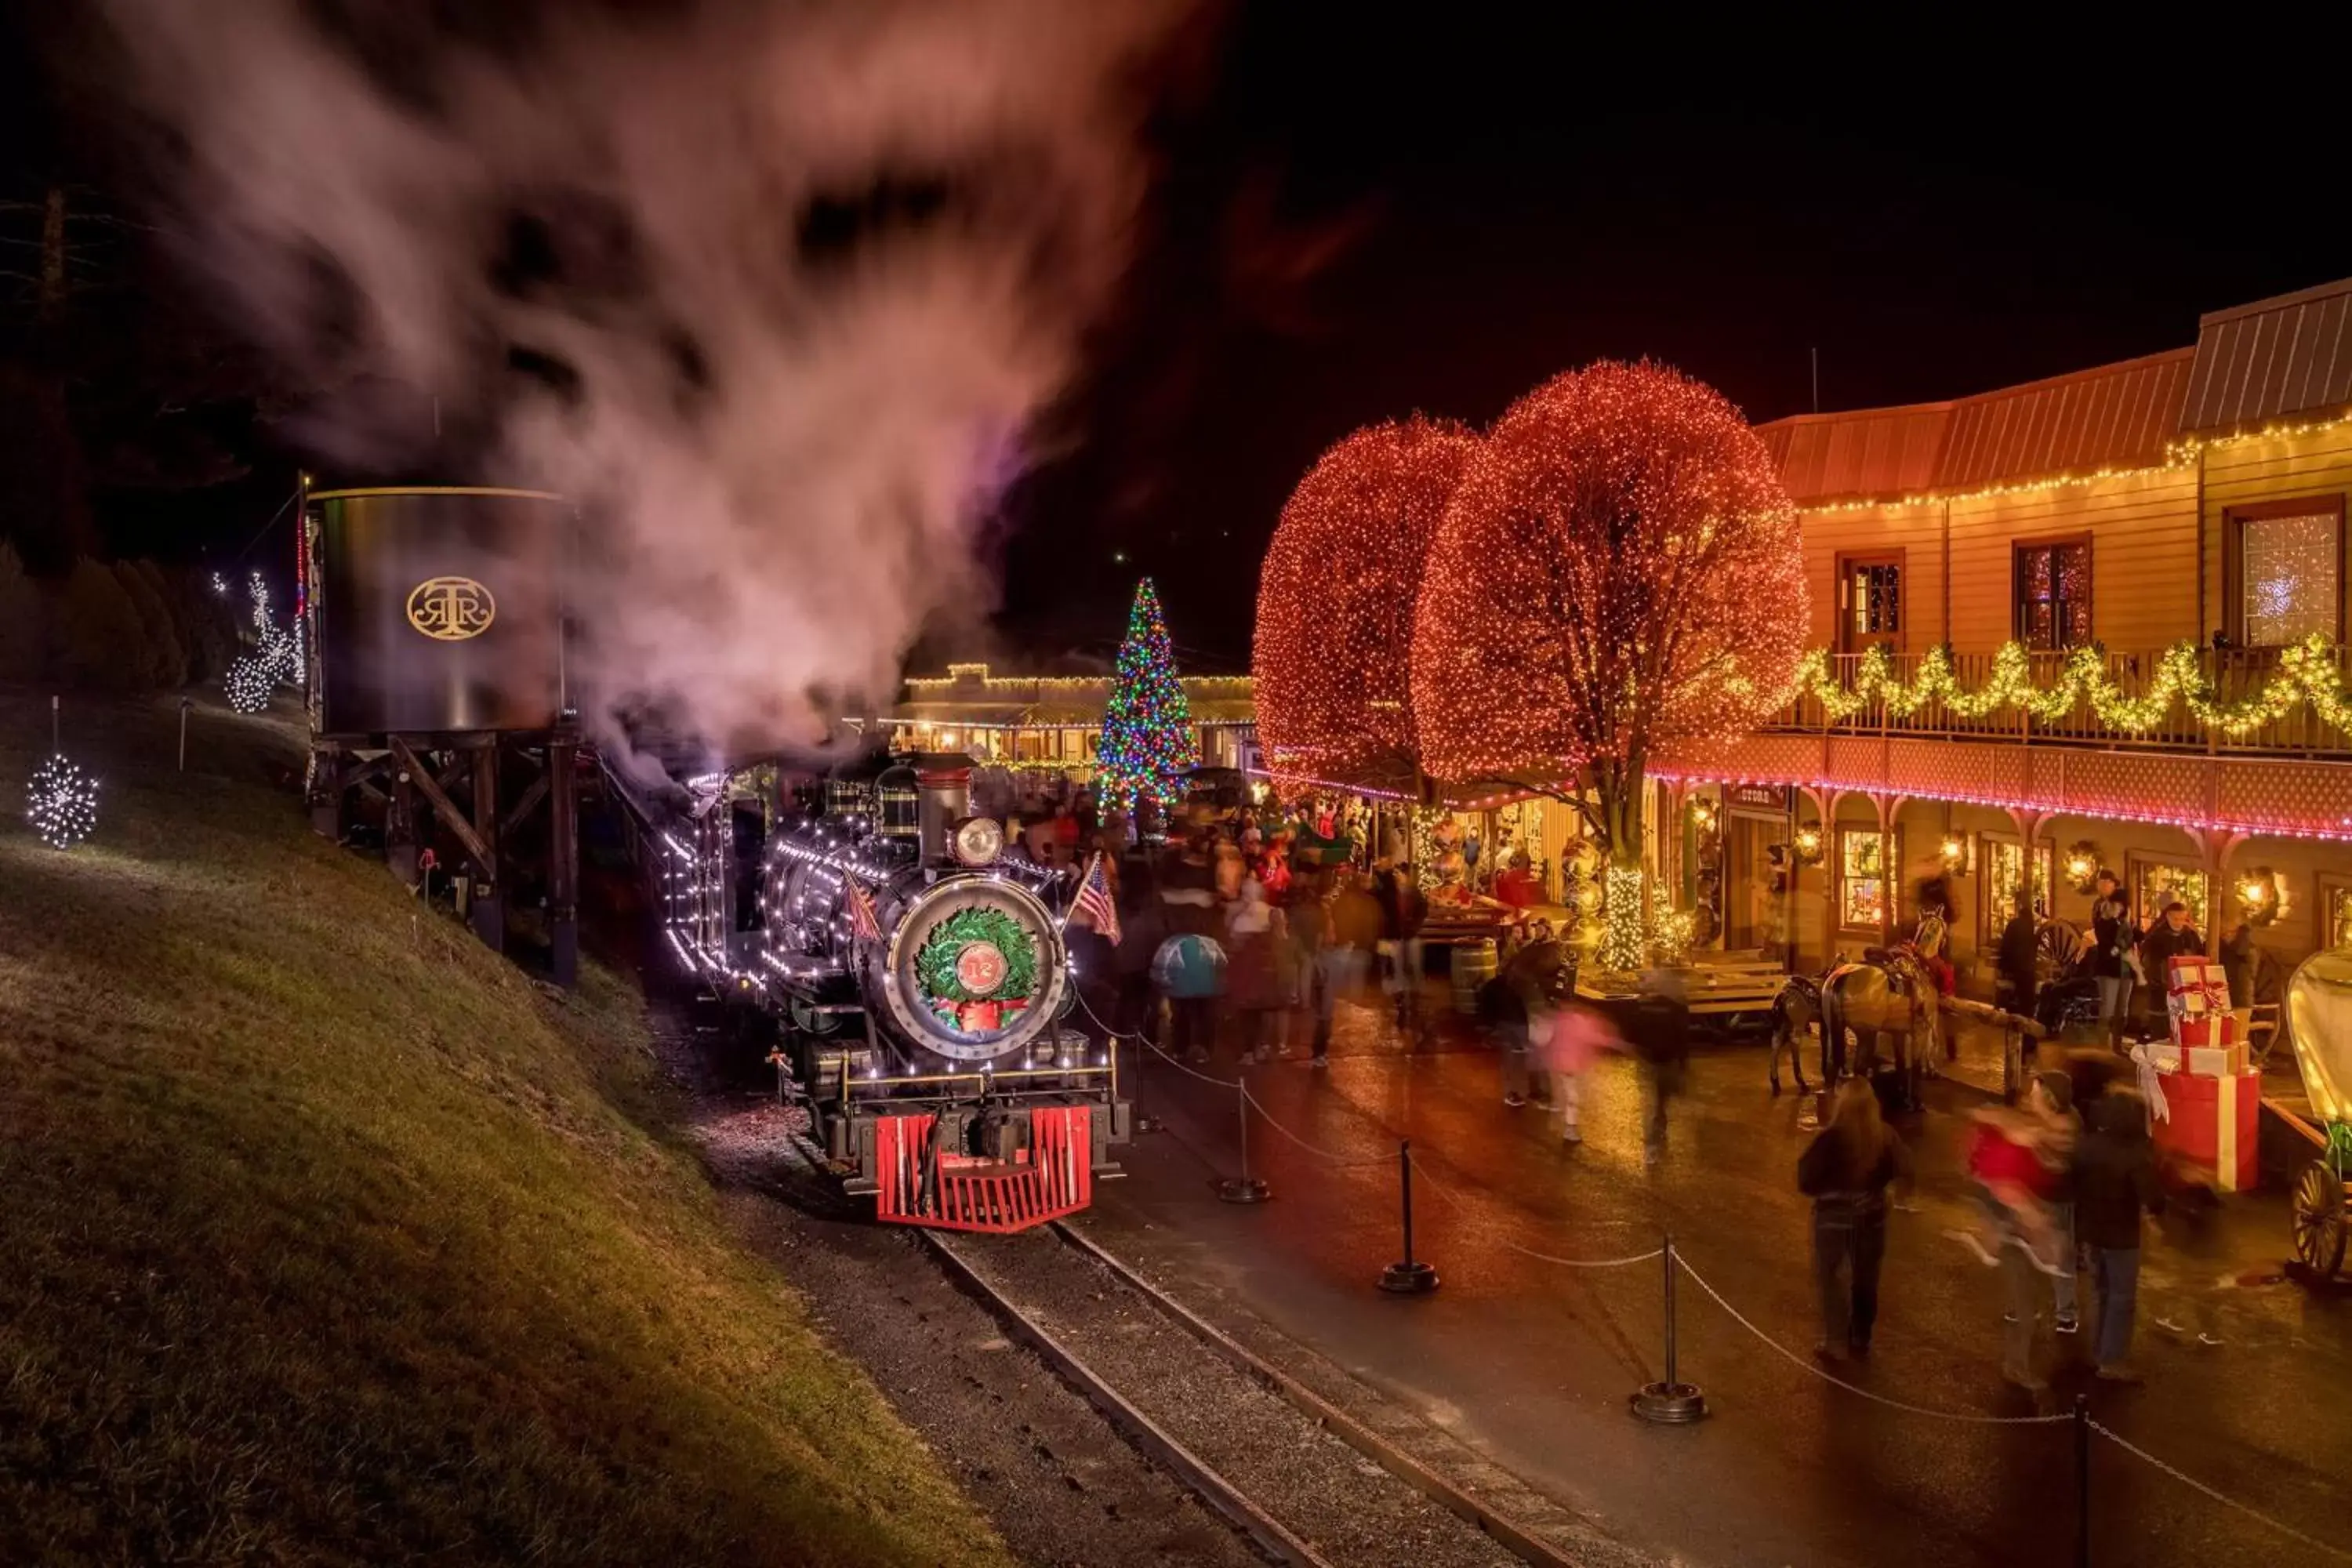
x: 1352, y: 222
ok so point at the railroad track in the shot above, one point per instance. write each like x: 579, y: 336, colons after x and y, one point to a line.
x: 1301, y: 1479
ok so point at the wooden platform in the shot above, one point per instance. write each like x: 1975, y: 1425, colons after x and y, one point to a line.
x: 1715, y: 983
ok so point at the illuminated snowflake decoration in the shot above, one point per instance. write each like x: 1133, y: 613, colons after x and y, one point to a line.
x: 249, y: 682
x: 61, y: 803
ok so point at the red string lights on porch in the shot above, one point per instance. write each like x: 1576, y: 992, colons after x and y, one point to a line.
x: 1335, y: 607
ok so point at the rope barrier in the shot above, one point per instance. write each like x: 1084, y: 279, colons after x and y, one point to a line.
x: 1461, y: 1200
x: 1190, y: 1071
x: 1805, y: 1362
x: 1380, y: 1159
x: 2192, y: 1482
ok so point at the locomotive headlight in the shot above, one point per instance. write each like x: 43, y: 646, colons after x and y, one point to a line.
x: 978, y: 841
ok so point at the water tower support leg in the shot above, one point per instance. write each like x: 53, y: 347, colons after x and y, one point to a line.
x: 564, y: 859
x: 488, y: 910
x: 325, y: 797
x: 400, y: 826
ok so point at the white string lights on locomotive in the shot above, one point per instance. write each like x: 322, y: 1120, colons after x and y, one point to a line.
x: 62, y: 804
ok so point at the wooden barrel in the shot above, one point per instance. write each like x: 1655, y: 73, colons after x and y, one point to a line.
x: 1474, y: 965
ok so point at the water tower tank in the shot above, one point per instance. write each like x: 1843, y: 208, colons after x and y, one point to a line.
x: 439, y: 609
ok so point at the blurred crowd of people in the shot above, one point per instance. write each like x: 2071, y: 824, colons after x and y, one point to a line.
x: 1229, y: 950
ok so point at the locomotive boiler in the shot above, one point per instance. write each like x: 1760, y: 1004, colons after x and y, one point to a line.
x: 913, y: 966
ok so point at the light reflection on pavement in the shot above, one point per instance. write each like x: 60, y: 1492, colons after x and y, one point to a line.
x: 1532, y: 1362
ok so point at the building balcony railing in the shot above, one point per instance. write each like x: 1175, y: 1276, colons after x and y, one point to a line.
x: 2236, y: 681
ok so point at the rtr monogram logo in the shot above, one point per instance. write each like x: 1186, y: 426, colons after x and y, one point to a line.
x: 451, y: 609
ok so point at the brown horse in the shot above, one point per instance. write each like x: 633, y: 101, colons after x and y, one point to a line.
x: 1892, y: 996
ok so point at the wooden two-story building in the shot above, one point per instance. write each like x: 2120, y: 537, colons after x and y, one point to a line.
x: 2194, y: 496
x: 1052, y: 724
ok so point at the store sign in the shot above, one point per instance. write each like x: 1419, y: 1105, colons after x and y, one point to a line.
x: 1761, y: 797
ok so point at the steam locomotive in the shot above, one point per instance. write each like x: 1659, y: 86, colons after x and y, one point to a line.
x: 915, y: 971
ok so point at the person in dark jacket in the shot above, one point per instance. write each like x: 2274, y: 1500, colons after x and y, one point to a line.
x: 1143, y: 924
x: 2169, y: 938
x: 1657, y: 1026
x: 2115, y: 1180
x: 1354, y: 934
x: 1846, y: 1170
x: 2104, y: 952
x: 1308, y: 916
x: 2015, y: 978
x: 1405, y: 910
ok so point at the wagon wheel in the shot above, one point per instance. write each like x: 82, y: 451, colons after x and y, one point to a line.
x: 2055, y: 941
x: 2319, y: 1220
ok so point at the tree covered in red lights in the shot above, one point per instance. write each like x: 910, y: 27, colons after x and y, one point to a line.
x: 1618, y: 570
x: 1335, y: 603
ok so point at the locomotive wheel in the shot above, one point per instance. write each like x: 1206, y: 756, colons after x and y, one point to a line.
x: 2319, y: 1220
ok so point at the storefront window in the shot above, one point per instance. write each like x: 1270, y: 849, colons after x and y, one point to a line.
x: 2156, y: 883
x: 2005, y: 874
x: 2339, y: 916
x: 1864, y: 883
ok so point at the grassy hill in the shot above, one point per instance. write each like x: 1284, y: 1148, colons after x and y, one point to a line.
x: 326, y: 1237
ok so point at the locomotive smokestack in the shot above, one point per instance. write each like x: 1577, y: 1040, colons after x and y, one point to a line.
x: 943, y: 779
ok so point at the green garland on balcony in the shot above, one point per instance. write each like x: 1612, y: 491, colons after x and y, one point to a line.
x: 2307, y: 672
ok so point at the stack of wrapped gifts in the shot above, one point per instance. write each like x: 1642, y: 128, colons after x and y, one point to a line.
x: 2211, y: 1101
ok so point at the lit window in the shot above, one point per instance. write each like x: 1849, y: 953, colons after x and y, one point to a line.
x: 2156, y: 883
x: 2339, y: 917
x: 2006, y: 875
x: 2291, y: 569
x: 1862, y: 879
x: 1870, y: 597
x: 2053, y: 585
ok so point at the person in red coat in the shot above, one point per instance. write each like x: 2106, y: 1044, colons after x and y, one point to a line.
x: 1517, y: 886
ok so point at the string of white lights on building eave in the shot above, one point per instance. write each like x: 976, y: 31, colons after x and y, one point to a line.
x: 2177, y: 455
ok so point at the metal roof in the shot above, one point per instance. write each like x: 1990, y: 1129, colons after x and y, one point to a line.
x: 2115, y: 416
x: 1848, y: 456
x: 2274, y: 359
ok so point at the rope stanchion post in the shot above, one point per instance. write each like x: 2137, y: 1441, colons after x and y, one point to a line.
x: 1408, y: 1276
x: 1670, y: 1401
x: 1244, y: 1188
x: 1143, y: 1120
x: 2081, y: 1481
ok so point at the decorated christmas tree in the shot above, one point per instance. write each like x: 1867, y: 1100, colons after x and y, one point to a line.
x: 1146, y: 734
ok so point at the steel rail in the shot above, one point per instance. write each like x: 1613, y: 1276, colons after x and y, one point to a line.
x: 1266, y: 1533
x: 1519, y: 1539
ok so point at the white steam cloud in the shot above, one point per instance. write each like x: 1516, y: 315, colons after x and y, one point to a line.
x: 816, y: 270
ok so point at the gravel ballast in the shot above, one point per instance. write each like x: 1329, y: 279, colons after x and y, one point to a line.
x: 1341, y: 1502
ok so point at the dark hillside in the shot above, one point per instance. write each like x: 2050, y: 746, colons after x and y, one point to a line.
x: 327, y: 1237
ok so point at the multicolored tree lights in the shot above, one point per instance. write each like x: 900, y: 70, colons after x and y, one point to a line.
x: 1619, y: 569
x: 1146, y: 734
x: 1335, y: 603
x: 62, y: 804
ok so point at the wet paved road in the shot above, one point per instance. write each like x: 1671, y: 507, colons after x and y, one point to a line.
x: 1532, y: 1360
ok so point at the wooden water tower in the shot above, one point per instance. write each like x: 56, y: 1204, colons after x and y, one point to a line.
x: 438, y: 693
